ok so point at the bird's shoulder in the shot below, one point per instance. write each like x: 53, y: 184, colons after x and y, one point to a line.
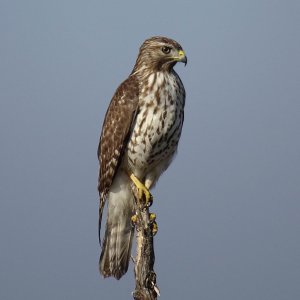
x: 127, y: 92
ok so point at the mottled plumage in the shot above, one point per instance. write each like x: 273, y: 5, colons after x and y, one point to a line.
x: 140, y: 135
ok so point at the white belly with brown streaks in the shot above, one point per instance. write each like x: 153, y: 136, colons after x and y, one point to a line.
x: 158, y: 125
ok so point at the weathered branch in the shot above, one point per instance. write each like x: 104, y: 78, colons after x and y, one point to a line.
x: 145, y: 277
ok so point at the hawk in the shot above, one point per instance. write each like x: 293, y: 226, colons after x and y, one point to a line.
x: 139, y: 139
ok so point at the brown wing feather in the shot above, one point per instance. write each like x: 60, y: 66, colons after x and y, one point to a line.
x: 115, y: 131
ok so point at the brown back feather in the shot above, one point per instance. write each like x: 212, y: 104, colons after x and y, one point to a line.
x: 115, y: 133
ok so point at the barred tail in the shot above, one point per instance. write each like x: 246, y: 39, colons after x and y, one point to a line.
x: 119, y: 232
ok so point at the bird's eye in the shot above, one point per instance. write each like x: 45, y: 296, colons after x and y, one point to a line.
x: 166, y: 49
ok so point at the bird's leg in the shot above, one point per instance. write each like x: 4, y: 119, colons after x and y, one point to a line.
x: 142, y: 191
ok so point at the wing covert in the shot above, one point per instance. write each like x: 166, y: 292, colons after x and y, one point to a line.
x: 115, y: 132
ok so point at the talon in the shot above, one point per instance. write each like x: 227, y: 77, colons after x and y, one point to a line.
x: 142, y: 191
x: 152, y: 217
x: 149, y: 201
x: 154, y: 228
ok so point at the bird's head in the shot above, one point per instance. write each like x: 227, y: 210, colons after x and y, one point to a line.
x: 159, y: 53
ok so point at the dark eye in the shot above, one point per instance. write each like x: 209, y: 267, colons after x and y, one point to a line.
x: 166, y: 49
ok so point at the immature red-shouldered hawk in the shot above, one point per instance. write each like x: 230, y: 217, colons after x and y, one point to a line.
x: 139, y: 138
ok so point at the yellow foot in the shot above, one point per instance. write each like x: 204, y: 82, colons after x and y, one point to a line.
x: 142, y: 191
x: 152, y: 217
x: 153, y: 224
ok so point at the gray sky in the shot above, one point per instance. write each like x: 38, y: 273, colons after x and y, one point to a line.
x: 228, y: 208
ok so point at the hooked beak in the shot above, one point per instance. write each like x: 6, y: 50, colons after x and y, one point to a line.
x: 182, y: 57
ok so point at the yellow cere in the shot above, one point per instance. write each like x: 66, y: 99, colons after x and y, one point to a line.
x: 181, y: 53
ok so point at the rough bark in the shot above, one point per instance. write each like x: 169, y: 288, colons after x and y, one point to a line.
x: 145, y: 277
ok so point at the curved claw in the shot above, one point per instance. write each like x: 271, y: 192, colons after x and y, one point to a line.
x: 152, y: 217
x: 149, y: 201
x: 143, y: 192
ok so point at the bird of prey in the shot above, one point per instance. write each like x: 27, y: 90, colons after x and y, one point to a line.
x: 139, y: 139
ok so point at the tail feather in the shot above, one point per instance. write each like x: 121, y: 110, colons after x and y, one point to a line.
x: 119, y: 232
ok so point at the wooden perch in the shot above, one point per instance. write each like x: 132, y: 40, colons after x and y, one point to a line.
x: 145, y: 277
